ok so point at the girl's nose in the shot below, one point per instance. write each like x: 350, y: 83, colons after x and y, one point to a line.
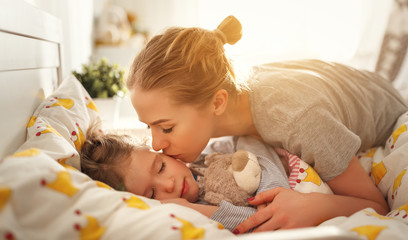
x: 168, y: 184
x: 159, y: 142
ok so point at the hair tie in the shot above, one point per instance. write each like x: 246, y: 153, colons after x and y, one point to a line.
x: 229, y: 30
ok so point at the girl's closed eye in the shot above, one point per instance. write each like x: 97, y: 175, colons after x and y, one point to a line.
x: 163, y: 166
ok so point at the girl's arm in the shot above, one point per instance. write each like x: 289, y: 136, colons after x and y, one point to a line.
x: 207, y: 210
x: 227, y: 214
x: 286, y: 208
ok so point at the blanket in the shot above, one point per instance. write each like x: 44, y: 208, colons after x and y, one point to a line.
x: 387, y: 166
x: 43, y: 195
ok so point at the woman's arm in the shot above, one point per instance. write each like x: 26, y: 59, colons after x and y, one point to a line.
x: 353, y: 190
x: 355, y: 182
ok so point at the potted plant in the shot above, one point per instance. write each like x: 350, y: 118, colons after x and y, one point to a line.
x: 105, y: 84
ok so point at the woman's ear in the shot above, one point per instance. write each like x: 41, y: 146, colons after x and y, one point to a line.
x: 220, y: 101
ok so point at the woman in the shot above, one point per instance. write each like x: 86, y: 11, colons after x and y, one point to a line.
x: 184, y: 88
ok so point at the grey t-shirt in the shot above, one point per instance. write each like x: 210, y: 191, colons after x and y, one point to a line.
x: 323, y: 112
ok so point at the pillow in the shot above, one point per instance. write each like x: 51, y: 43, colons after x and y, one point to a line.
x: 59, y: 124
x: 41, y: 199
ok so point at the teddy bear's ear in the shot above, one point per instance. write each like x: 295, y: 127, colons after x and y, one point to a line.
x: 239, y: 160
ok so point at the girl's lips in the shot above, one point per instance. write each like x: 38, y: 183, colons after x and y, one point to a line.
x: 185, y: 188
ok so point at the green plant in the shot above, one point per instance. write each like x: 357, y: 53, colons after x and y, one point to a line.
x: 101, y: 79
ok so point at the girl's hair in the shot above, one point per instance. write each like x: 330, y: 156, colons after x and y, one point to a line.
x: 104, y: 156
x: 189, y: 62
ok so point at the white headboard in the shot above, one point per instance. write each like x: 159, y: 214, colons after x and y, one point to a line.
x: 30, y: 67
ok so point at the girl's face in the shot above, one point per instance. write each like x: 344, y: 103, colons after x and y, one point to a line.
x: 180, y: 131
x: 157, y: 176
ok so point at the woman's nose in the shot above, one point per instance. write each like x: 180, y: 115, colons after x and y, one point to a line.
x: 159, y: 142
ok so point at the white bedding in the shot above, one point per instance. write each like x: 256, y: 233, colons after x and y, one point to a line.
x: 43, y: 195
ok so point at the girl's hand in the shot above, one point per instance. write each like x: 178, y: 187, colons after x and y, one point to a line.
x: 285, y: 208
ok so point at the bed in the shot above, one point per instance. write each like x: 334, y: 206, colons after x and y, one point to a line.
x: 43, y: 195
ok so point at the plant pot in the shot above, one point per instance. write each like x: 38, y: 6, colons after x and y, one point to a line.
x: 109, y: 109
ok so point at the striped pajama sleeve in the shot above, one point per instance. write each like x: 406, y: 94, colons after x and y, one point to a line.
x: 230, y: 215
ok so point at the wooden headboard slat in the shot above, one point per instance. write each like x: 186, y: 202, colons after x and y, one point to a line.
x: 35, y: 53
x: 30, y: 67
x: 29, y: 21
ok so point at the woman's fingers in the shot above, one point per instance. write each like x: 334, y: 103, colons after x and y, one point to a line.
x: 261, y: 206
x: 270, y: 225
x: 265, y: 197
x: 253, y: 221
x: 265, y: 212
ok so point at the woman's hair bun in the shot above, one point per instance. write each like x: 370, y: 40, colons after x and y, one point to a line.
x: 230, y: 30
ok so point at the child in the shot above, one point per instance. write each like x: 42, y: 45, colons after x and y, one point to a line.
x: 125, y: 164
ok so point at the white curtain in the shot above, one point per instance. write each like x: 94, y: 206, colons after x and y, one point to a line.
x: 393, y: 52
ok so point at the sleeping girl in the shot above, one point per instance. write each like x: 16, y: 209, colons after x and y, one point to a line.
x: 125, y: 164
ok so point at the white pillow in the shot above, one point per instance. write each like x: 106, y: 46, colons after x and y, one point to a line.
x: 59, y: 124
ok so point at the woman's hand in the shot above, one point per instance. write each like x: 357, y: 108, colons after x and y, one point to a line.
x: 285, y: 209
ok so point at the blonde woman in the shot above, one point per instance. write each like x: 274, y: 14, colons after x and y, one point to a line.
x: 183, y: 86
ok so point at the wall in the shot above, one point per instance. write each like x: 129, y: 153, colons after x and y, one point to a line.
x: 349, y: 31
x: 77, y: 24
x: 156, y: 15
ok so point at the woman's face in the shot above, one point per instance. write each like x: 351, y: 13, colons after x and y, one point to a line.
x: 180, y: 131
x: 157, y: 176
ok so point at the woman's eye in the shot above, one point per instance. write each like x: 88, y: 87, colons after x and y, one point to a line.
x: 167, y: 130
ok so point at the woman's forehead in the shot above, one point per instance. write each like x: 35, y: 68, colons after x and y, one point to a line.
x: 155, y: 107
x: 150, y: 104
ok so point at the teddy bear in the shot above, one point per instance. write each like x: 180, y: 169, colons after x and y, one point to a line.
x: 112, y: 26
x: 231, y: 177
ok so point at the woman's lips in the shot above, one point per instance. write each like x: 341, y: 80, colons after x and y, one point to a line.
x: 176, y: 156
x: 185, y: 188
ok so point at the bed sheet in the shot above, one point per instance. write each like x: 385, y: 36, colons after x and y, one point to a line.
x: 43, y: 195
x: 387, y: 166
